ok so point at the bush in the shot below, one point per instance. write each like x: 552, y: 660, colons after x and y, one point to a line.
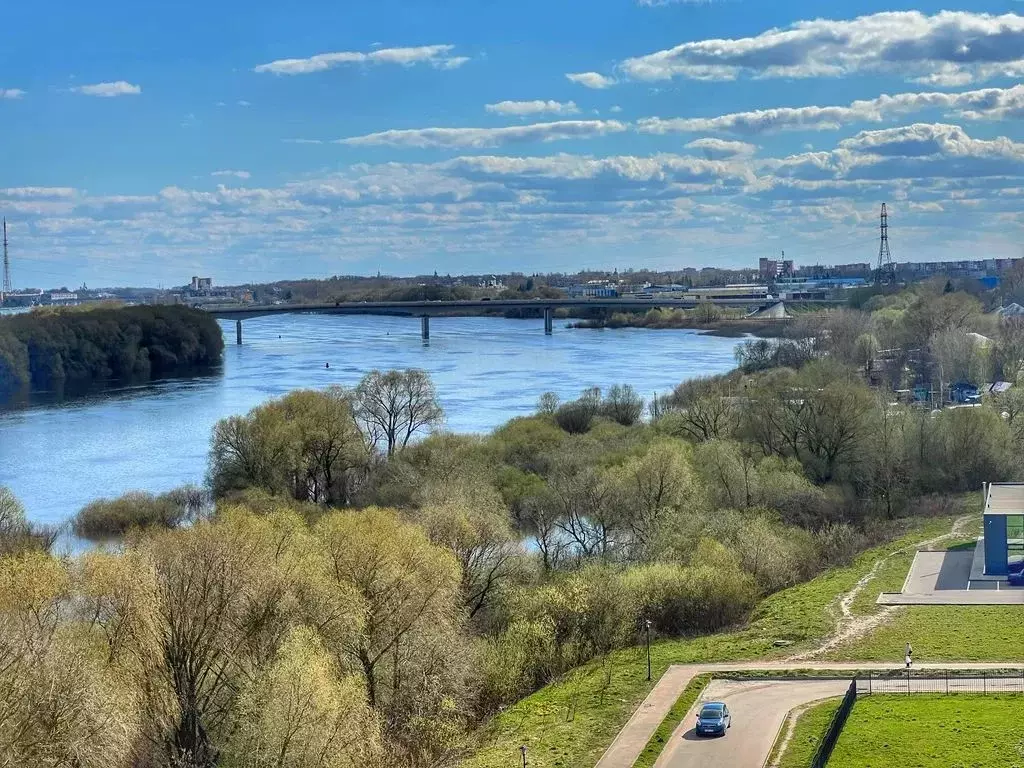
x: 17, y: 535
x: 576, y: 417
x: 107, y: 518
x: 622, y: 405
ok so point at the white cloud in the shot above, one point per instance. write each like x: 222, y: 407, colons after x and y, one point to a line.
x: 984, y: 104
x: 434, y: 55
x: 592, y: 80
x: 109, y: 90
x: 615, y: 109
x: 536, y: 107
x: 26, y: 193
x: 478, y: 138
x: 236, y: 174
x: 720, y: 148
x: 924, y: 139
x: 11, y: 93
x: 959, y: 46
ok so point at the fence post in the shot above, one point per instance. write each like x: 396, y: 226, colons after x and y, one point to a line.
x: 984, y: 682
x: 871, y: 674
x: 908, y: 682
x: 947, y: 682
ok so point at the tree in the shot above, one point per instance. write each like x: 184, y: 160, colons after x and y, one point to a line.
x: 547, y: 404
x: 301, y: 711
x: 394, y: 406
x: 404, y: 584
x: 702, y: 410
x: 649, y: 487
x: 471, y: 521
x: 960, y: 357
x: 622, y: 405
x: 60, y: 704
x: 16, y: 533
x: 222, y: 606
x: 305, y: 445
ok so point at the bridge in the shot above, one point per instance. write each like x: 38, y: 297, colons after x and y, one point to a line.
x: 427, y: 309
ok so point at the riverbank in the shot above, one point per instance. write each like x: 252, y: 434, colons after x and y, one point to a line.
x: 727, y: 328
x: 155, y: 437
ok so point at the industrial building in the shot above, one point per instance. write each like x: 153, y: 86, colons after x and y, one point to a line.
x: 1004, y: 529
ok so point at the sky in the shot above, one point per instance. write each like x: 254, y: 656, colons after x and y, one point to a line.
x: 143, y: 143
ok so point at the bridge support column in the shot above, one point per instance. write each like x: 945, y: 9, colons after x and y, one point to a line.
x: 425, y: 327
x: 238, y: 331
x: 548, y: 317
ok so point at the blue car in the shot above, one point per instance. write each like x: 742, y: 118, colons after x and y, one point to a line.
x: 1016, y: 574
x: 713, y: 719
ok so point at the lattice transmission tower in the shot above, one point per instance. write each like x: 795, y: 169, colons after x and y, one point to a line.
x: 886, y: 272
x: 6, y: 287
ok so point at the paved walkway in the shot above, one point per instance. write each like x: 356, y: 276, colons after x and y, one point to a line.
x: 945, y: 578
x: 632, y: 739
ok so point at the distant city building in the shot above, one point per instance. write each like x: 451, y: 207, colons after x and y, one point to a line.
x: 770, y: 269
x: 590, y: 290
x: 61, y: 297
x: 201, y: 284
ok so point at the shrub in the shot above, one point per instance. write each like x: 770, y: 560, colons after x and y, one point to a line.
x: 576, y: 417
x: 106, y: 518
x: 623, y: 405
x: 17, y: 535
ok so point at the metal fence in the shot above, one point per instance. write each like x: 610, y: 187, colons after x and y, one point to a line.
x: 912, y: 681
x: 831, y: 735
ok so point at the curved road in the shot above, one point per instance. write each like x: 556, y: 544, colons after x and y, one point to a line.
x: 630, y: 741
x: 759, y: 708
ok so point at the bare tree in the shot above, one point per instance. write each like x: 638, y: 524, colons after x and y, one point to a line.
x: 395, y: 405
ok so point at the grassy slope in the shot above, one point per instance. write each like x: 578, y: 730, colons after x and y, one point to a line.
x: 570, y: 722
x: 932, y: 732
x: 943, y: 633
x: 807, y: 734
x: 939, y: 632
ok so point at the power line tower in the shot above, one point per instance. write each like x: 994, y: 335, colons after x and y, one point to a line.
x: 886, y: 269
x: 6, y: 287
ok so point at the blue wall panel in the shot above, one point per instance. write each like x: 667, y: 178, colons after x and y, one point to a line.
x: 995, y: 545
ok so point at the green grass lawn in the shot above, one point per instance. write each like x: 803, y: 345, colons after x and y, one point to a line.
x: 810, y: 726
x: 932, y: 732
x: 570, y: 722
x: 943, y: 633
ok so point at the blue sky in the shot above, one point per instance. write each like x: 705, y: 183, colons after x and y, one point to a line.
x: 259, y: 141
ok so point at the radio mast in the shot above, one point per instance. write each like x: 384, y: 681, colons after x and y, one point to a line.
x: 886, y: 269
x: 6, y: 287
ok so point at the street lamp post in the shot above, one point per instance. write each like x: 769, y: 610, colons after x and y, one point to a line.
x: 647, y: 627
x: 523, y: 750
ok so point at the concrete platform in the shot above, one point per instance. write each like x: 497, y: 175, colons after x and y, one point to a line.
x: 947, y: 578
x: 978, y: 565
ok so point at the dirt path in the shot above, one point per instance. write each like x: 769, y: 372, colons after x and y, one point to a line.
x: 850, y: 626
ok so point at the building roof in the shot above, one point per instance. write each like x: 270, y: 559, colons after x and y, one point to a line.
x: 1005, y: 499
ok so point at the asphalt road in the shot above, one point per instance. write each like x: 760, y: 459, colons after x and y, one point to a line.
x: 759, y: 709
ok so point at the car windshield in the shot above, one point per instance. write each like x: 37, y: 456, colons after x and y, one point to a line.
x: 711, y: 713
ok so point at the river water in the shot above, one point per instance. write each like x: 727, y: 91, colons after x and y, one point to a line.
x: 58, y: 457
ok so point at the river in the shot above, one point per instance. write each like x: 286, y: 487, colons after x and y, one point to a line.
x: 59, y: 456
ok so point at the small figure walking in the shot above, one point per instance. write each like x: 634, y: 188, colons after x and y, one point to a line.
x: 909, y: 655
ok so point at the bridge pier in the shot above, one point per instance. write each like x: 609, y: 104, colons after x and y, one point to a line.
x: 238, y: 332
x: 425, y: 327
x: 548, y: 315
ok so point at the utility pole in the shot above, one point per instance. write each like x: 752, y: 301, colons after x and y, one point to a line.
x: 5, y: 288
x: 886, y: 269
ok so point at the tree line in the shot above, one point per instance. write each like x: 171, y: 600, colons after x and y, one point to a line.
x: 53, y: 350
